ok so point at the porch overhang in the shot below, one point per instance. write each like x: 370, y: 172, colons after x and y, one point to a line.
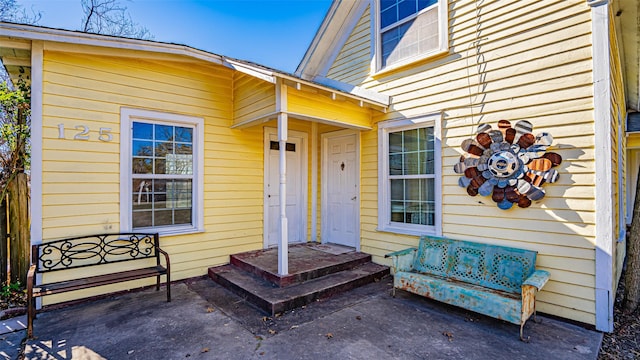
x: 271, y: 116
x: 342, y: 105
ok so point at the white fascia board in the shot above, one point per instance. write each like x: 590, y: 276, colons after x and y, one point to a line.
x: 380, y: 99
x: 79, y: 38
x: 604, y: 287
x: 254, y: 71
x: 319, y: 44
x: 329, y: 56
x: 341, y: 18
x: 370, y: 97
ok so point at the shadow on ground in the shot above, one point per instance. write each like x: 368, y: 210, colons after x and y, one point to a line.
x: 206, y: 321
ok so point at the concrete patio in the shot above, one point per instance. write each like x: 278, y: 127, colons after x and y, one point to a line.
x: 206, y: 321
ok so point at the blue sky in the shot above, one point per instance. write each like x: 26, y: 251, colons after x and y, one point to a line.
x: 274, y: 33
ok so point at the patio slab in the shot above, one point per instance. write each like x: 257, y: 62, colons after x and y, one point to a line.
x: 206, y: 321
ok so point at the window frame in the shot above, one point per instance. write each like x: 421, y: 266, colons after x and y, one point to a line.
x: 384, y: 183
x: 127, y: 117
x: 376, y: 38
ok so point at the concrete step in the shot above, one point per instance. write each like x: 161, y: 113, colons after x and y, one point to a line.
x: 273, y: 299
x: 306, y: 262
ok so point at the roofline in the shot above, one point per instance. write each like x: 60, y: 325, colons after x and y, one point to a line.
x: 340, y: 20
x: 318, y: 36
x: 31, y: 32
x: 343, y: 89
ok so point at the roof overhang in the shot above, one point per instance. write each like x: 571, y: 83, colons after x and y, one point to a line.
x: 371, y: 98
x: 15, y: 46
x: 626, y: 15
x: 338, y: 23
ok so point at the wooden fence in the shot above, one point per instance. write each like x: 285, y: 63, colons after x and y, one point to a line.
x: 15, y: 232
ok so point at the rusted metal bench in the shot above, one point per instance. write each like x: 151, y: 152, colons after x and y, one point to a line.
x: 497, y: 281
x: 67, y: 256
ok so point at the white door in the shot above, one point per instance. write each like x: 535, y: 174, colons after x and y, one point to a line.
x: 341, y: 193
x: 296, y: 189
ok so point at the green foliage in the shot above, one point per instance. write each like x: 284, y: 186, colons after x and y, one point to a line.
x: 15, y: 131
x: 8, y: 290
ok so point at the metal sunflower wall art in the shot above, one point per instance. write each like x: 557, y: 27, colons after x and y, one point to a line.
x: 510, y: 164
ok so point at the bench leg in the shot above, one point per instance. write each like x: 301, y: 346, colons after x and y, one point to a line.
x: 522, y: 338
x: 168, y: 288
x: 31, y: 314
x: 535, y: 315
x: 158, y: 283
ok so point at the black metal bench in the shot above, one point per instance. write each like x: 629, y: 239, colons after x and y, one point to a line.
x: 67, y: 255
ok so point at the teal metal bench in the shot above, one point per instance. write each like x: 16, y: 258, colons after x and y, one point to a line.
x: 496, y: 281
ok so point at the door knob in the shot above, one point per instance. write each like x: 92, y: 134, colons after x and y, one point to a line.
x: 353, y: 198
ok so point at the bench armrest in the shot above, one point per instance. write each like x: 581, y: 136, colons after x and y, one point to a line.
x: 537, y: 279
x: 402, y: 260
x: 31, y: 275
x: 166, y: 257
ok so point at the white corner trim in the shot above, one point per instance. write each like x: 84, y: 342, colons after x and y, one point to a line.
x: 604, y: 290
x: 127, y: 115
x: 37, y: 61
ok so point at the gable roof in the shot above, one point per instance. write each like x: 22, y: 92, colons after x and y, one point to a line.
x: 16, y: 56
x: 341, y: 19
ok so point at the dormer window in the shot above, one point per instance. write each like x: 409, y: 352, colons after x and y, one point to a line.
x: 410, y: 30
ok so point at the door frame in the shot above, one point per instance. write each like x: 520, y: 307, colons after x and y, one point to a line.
x: 325, y: 155
x: 304, y: 178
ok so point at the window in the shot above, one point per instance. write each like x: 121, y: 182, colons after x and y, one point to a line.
x: 410, y: 30
x: 409, y: 181
x: 161, y: 157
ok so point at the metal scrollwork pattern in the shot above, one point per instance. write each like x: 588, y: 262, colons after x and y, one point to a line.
x: 94, y: 250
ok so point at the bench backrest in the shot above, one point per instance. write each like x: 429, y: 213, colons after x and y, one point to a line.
x: 92, y: 250
x: 495, y: 267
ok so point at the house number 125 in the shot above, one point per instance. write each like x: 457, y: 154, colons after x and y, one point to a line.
x: 82, y: 133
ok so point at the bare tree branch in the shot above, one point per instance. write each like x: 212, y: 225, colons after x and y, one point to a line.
x: 11, y: 11
x: 110, y: 17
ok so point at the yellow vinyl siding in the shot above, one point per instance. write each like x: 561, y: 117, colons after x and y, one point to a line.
x: 618, y: 153
x: 323, y: 108
x: 353, y: 63
x: 252, y: 98
x: 519, y: 60
x: 81, y: 178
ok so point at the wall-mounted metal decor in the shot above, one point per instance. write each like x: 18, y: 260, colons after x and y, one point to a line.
x: 508, y: 163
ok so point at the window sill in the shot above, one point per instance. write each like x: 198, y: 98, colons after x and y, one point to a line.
x: 172, y: 231
x: 410, y: 62
x: 406, y: 231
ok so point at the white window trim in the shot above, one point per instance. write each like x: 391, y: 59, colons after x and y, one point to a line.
x: 443, y: 43
x: 384, y: 206
x: 127, y: 116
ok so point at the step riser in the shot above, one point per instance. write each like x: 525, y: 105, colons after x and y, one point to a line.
x: 288, y: 280
x: 273, y: 307
x: 302, y: 301
x: 238, y: 290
